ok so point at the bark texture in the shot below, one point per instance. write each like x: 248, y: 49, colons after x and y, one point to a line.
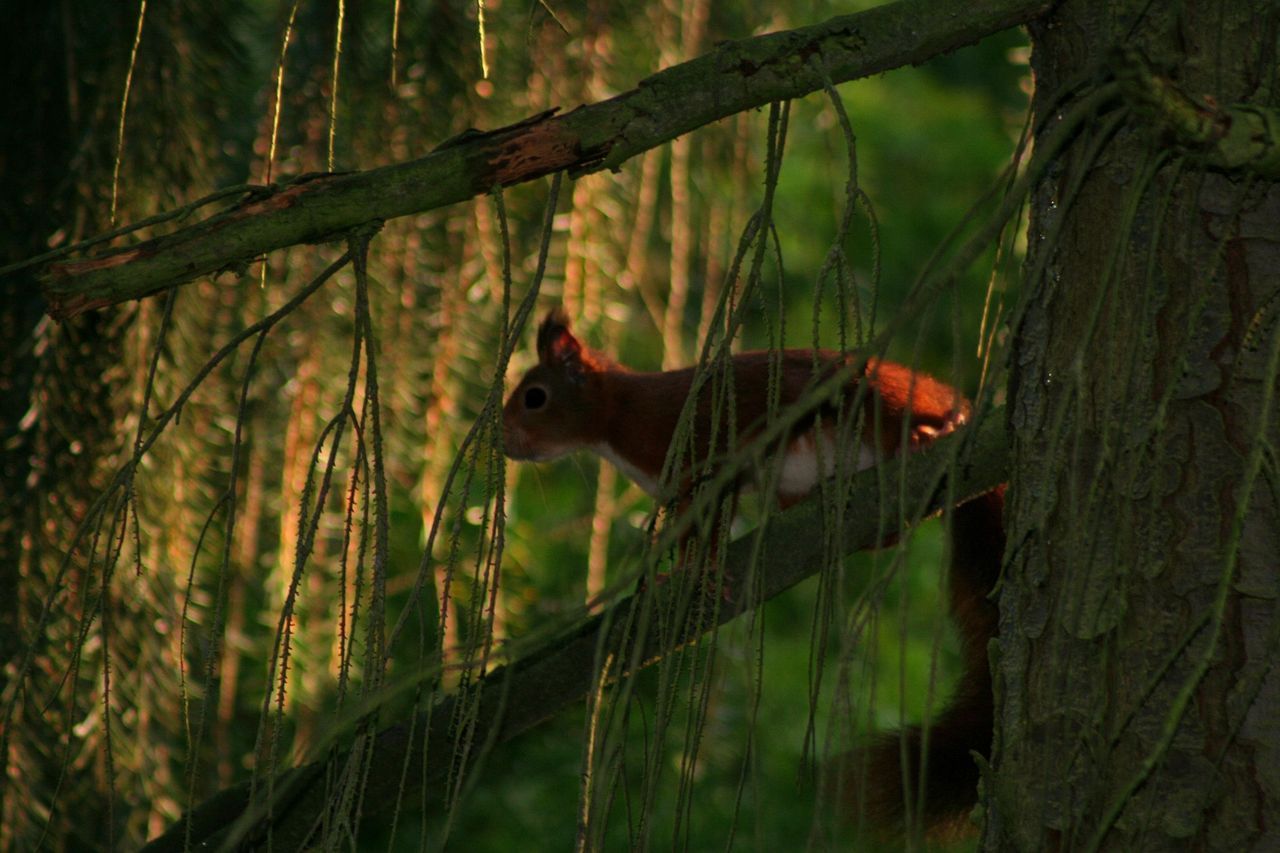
x: 1137, y: 701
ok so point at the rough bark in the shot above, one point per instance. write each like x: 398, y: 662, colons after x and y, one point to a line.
x: 734, y: 77
x: 1136, y: 697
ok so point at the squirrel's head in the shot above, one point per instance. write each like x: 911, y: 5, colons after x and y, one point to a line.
x: 556, y: 407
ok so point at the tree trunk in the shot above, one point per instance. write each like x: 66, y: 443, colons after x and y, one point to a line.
x: 1136, y: 708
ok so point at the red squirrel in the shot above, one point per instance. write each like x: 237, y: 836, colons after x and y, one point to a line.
x: 576, y: 398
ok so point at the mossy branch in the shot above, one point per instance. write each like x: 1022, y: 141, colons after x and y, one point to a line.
x: 517, y: 697
x: 733, y: 77
x: 1232, y: 137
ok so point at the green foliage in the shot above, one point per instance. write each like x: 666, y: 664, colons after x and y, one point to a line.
x: 931, y: 141
x: 775, y: 694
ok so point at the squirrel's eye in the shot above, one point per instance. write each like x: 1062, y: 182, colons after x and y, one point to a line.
x: 535, y: 397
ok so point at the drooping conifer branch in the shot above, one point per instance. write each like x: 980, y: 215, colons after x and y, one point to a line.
x: 393, y: 764
x: 734, y: 77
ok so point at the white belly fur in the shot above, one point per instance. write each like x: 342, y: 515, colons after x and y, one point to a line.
x: 632, y: 473
x: 800, y: 464
x: 811, y: 457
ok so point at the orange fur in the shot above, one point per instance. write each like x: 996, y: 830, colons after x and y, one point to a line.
x: 578, y: 399
x: 630, y: 417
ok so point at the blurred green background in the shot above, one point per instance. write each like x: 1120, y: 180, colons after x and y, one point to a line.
x: 932, y: 142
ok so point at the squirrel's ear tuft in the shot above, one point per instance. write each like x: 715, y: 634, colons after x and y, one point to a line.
x: 556, y: 344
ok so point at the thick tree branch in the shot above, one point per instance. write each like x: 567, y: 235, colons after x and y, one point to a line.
x: 734, y: 77
x: 1230, y: 137
x: 517, y: 697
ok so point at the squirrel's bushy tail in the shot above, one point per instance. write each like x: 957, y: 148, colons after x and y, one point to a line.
x: 886, y: 789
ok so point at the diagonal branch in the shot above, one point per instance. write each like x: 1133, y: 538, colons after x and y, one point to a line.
x: 735, y: 76
x: 517, y: 697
